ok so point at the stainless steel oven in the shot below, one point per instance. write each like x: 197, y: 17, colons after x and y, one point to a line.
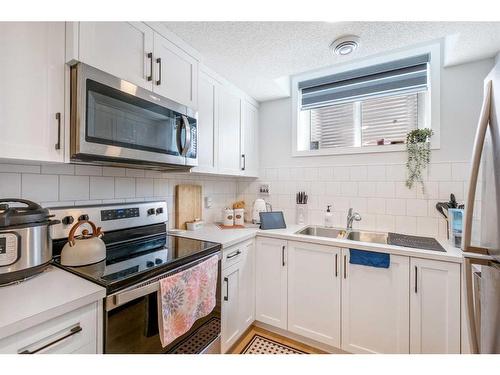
x: 131, y: 322
x: 116, y: 122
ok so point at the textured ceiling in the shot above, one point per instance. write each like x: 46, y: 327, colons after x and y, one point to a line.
x: 258, y: 57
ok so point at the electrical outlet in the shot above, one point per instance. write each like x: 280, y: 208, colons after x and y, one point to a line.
x: 264, y: 189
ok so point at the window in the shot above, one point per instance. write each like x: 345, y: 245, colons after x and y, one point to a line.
x: 370, y: 108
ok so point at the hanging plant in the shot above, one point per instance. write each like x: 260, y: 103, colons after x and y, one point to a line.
x: 418, y: 148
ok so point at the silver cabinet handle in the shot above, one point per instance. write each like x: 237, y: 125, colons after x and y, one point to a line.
x: 158, y: 61
x: 336, y: 265
x: 232, y: 255
x: 73, y: 331
x: 58, y: 118
x: 283, y: 256
x: 416, y: 280
x: 345, y: 266
x: 226, y: 297
x: 244, y: 162
x: 150, y: 76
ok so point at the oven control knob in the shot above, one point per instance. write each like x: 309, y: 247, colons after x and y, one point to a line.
x: 159, y: 210
x: 158, y: 261
x: 83, y: 217
x: 67, y: 220
x: 151, y: 211
x: 149, y: 264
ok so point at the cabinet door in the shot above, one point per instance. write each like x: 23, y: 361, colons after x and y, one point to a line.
x: 250, y: 136
x: 176, y: 75
x: 229, y: 133
x: 314, y: 292
x: 434, y: 306
x: 247, y: 292
x: 271, y: 282
x: 207, y: 123
x: 231, y: 321
x: 118, y: 48
x: 375, y: 307
x: 32, y: 69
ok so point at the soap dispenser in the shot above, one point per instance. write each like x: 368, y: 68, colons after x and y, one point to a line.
x: 328, y: 218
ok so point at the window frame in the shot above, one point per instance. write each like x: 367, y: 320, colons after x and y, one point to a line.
x: 432, y: 105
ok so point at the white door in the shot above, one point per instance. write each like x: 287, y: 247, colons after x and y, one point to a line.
x: 229, y: 133
x: 271, y: 282
x: 247, y: 291
x: 32, y: 69
x: 231, y: 321
x: 207, y: 123
x: 176, y: 73
x: 375, y: 306
x: 123, y: 49
x: 250, y: 136
x: 314, y: 291
x: 434, y: 306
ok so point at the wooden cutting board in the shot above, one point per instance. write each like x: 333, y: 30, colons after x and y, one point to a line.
x: 188, y: 205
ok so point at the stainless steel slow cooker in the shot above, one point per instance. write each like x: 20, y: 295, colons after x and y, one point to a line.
x: 25, y: 243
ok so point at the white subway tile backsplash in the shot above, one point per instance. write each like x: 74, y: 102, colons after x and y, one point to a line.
x: 272, y: 174
x: 348, y: 189
x: 113, y: 172
x: 395, y: 206
x: 376, y: 173
x: 359, y: 173
x: 131, y: 172
x: 367, y: 189
x: 102, y: 187
x: 427, y: 226
x: 72, y: 188
x: 283, y: 174
x: 325, y: 173
x: 144, y: 187
x: 124, y: 187
x: 160, y: 188
x: 439, y: 172
x: 448, y: 187
x: 19, y: 168
x: 341, y: 173
x: 311, y: 174
x: 68, y: 169
x: 88, y: 170
x: 384, y: 189
x: 10, y: 185
x: 406, y: 224
x: 385, y: 223
x: 40, y: 187
x: 416, y: 207
x: 395, y: 172
x: 375, y: 205
x: 460, y: 171
x: 402, y: 191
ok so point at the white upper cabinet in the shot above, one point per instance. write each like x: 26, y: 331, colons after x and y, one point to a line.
x: 176, y: 73
x: 249, y: 139
x: 123, y: 49
x: 32, y: 70
x: 207, y: 123
x: 271, y: 282
x: 375, y: 307
x: 314, y: 282
x: 229, y: 156
x: 434, y: 307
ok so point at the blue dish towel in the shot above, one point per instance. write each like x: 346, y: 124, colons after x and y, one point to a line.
x: 369, y: 258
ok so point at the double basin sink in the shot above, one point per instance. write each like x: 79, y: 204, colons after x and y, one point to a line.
x: 353, y: 235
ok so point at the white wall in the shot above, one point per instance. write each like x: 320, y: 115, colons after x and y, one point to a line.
x: 374, y: 183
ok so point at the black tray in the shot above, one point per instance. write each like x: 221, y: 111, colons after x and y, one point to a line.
x: 416, y: 242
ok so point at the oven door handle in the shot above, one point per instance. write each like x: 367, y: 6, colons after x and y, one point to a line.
x: 120, y: 298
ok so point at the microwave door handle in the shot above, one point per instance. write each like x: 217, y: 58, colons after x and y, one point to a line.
x: 469, y: 209
x: 187, y: 143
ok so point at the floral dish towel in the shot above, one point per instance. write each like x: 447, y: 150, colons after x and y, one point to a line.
x: 185, y: 297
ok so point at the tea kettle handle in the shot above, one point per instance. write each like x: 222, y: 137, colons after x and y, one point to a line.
x: 95, y: 231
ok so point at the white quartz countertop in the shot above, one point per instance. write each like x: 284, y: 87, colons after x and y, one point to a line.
x: 229, y: 237
x: 52, y: 293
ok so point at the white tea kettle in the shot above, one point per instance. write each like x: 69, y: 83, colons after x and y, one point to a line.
x: 83, y: 249
x: 260, y: 205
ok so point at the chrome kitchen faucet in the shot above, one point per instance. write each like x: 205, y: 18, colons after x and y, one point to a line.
x: 351, y: 217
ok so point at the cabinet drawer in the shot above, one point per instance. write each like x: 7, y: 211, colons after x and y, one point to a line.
x: 234, y: 254
x: 74, y: 332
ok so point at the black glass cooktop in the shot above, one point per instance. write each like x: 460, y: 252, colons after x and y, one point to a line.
x: 134, y: 261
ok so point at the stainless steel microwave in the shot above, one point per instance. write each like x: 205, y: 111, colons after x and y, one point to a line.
x: 118, y: 123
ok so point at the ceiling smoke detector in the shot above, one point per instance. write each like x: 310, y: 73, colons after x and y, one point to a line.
x: 345, y: 45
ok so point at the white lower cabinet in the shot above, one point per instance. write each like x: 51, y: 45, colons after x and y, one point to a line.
x: 78, y: 332
x: 238, y: 292
x: 434, y: 306
x: 375, y: 306
x: 314, y: 288
x: 271, y: 282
